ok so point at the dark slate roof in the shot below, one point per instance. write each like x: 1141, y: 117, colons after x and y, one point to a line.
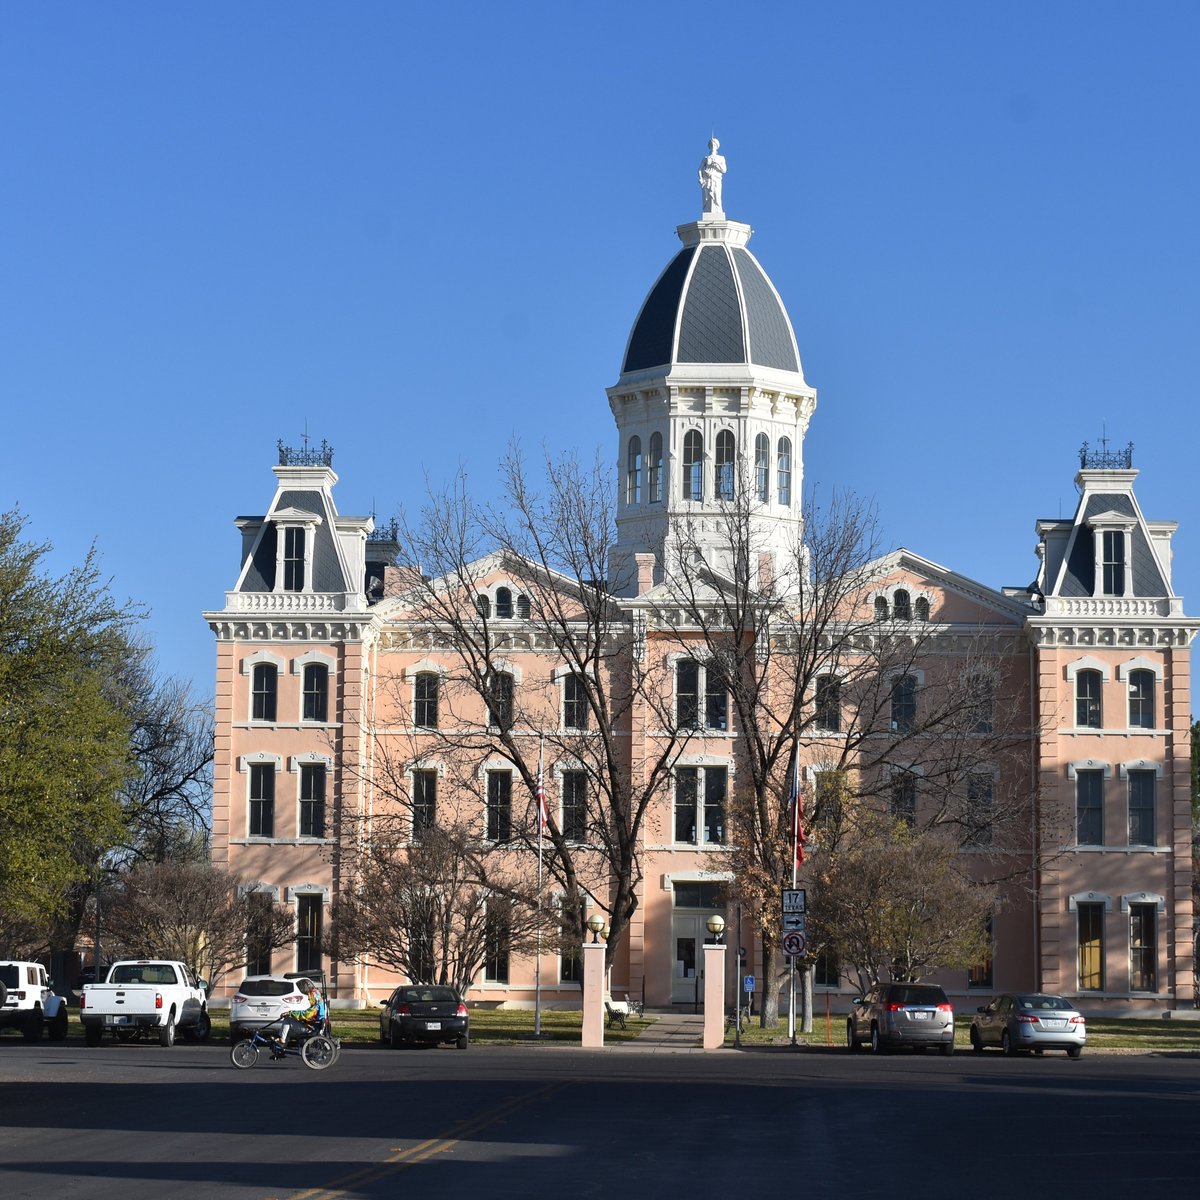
x: 327, y: 572
x: 713, y: 304
x: 1080, y: 576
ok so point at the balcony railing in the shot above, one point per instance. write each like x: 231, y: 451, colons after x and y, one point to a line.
x: 306, y: 456
x: 1106, y: 459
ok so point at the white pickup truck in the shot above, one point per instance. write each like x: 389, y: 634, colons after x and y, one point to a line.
x: 145, y: 996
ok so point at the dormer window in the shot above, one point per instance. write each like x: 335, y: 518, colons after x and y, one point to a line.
x: 1111, y: 539
x: 293, y: 560
x: 295, y: 538
x: 1113, y: 565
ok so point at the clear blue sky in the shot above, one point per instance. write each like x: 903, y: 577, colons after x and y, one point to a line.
x: 422, y: 229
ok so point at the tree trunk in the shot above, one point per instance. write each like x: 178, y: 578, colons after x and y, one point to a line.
x: 769, y: 1012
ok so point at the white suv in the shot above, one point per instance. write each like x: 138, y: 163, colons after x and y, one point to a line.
x: 27, y: 1002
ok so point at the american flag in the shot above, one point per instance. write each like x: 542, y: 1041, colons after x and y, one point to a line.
x: 796, y: 814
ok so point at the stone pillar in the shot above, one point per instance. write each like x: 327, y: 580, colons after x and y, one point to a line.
x: 593, y: 996
x: 714, y: 997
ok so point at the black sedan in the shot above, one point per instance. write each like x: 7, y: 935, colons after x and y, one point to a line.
x: 424, y: 1013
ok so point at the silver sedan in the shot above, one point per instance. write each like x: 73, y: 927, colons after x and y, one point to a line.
x: 1029, y: 1021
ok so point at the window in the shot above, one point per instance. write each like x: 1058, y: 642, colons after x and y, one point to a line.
x: 903, y: 802
x: 633, y: 472
x: 700, y: 794
x: 922, y: 609
x: 308, y: 932
x: 574, y: 806
x: 316, y: 692
x: 570, y: 969
x: 293, y: 560
x: 575, y: 702
x: 725, y: 465
x: 424, y: 802
x: 262, y: 800
x: 264, y: 692
x: 691, y: 680
x: 979, y: 974
x: 1087, y: 699
x: 699, y: 895
x: 420, y: 949
x: 828, y: 714
x: 483, y: 606
x: 1091, y: 947
x: 1113, y: 563
x: 881, y: 609
x: 655, y: 469
x: 980, y: 809
x: 312, y: 800
x: 523, y: 607
x: 693, y: 465
x: 499, y: 806
x: 1141, y: 808
x: 425, y: 700
x: 499, y: 696
x: 827, y: 799
x: 762, y: 468
x: 258, y: 943
x: 902, y: 605
x: 497, y: 937
x: 1141, y: 699
x: 504, y: 604
x: 1089, y: 808
x: 1143, y: 949
x: 904, y: 704
x: 828, y: 970
x: 783, y: 471
x: 981, y: 703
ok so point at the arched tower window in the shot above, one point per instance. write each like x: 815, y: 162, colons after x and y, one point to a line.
x: 784, y: 471
x: 693, y: 466
x: 901, y: 605
x: 881, y: 609
x: 762, y: 468
x: 725, y: 461
x: 654, y: 469
x: 504, y: 604
x: 922, y: 609
x: 633, y: 472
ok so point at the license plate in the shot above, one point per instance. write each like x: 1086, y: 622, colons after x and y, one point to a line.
x: 122, y: 1020
x: 1053, y: 1024
x: 433, y: 1024
x: 919, y: 1016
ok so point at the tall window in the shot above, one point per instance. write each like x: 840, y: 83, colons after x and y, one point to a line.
x: 693, y: 680
x: 902, y: 605
x: 293, y: 560
x: 499, y: 806
x: 922, y: 609
x: 762, y: 468
x: 424, y: 802
x: 420, y: 948
x: 655, y: 469
x: 1113, y: 565
x: 1141, y: 808
x: 700, y: 797
x: 483, y: 606
x: 425, y: 700
x: 980, y: 808
x: 981, y: 703
x: 316, y: 692
x: 523, y: 608
x: 904, y: 703
x: 504, y: 604
x: 828, y: 715
x: 312, y: 800
x: 827, y: 799
x: 979, y: 975
x: 264, y: 692
x: 575, y: 702
x: 1089, y: 808
x: 881, y: 609
x: 1141, y: 699
x: 1087, y: 699
x: 633, y: 472
x: 903, y: 800
x: 1091, y: 947
x: 262, y: 800
x: 258, y: 943
x: 574, y: 806
x: 500, y: 700
x: 308, y: 932
x: 783, y: 471
x: 725, y: 465
x: 1143, y: 949
x: 693, y: 465
x: 828, y: 970
x: 497, y: 938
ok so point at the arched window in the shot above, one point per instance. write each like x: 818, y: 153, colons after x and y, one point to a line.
x: 693, y: 466
x: 725, y: 457
x: 922, y: 607
x: 654, y: 469
x: 633, y: 473
x: 902, y: 605
x: 762, y: 467
x: 264, y: 689
x: 484, y: 606
x: 523, y: 607
x: 881, y: 609
x: 504, y: 605
x: 783, y: 471
x: 1141, y: 699
x: 1088, y: 712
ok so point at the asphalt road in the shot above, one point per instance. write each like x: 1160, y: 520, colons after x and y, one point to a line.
x: 492, y: 1123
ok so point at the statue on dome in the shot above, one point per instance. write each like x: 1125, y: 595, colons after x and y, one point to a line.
x: 712, y: 172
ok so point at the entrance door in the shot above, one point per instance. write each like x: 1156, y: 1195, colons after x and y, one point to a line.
x: 687, y: 938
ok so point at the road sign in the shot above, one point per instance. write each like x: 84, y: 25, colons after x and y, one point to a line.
x: 794, y: 922
x: 748, y: 983
x: 795, y: 944
x: 794, y: 900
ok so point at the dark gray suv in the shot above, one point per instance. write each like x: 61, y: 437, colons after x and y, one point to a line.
x: 901, y: 1014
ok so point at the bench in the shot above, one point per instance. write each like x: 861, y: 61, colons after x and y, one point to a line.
x: 616, y: 1011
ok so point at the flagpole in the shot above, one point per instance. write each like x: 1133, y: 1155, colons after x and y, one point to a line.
x: 537, y: 969
x: 795, y: 834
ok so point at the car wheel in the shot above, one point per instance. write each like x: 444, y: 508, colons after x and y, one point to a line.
x: 92, y: 1035
x: 383, y: 1037
x: 32, y: 1029
x: 976, y: 1041
x: 877, y: 1046
x: 462, y: 1042
x: 59, y: 1026
x: 243, y: 1055
x: 851, y: 1040
x: 1006, y: 1044
x: 1074, y: 1051
x: 166, y: 1033
x: 394, y: 1036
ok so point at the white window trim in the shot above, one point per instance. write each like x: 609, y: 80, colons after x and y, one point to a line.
x: 1141, y: 663
x: 1078, y: 898
x: 263, y: 657
x: 309, y: 758
x: 1111, y: 523
x: 314, y: 658
x: 1089, y: 764
x: 701, y: 762
x: 425, y: 667
x: 257, y: 759
x: 294, y: 518
x: 1131, y: 898
x: 262, y: 889
x: 307, y: 889
x: 506, y: 665
x: 1140, y: 764
x: 900, y: 672
x: 1089, y: 663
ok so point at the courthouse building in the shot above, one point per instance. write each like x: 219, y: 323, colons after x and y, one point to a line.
x: 320, y: 679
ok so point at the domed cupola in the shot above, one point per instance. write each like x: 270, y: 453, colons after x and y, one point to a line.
x: 711, y: 405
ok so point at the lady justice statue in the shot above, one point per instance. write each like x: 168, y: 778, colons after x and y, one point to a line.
x: 712, y: 171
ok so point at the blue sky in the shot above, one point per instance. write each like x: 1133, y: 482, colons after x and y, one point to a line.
x: 420, y: 230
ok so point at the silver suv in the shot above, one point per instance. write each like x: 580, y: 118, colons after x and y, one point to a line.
x: 901, y: 1014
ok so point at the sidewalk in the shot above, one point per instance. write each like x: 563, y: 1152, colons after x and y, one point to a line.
x: 668, y: 1033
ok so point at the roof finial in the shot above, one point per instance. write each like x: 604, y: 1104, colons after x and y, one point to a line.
x: 711, y: 174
